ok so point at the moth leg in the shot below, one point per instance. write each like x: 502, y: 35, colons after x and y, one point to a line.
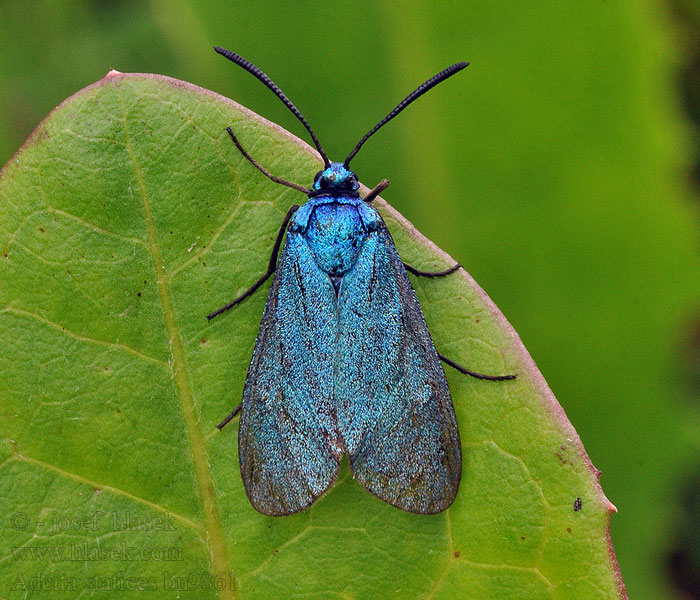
x: 415, y: 271
x: 263, y: 170
x: 228, y: 419
x: 464, y: 371
x: 376, y: 190
x: 272, y: 265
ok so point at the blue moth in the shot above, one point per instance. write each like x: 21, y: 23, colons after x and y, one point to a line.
x: 344, y: 363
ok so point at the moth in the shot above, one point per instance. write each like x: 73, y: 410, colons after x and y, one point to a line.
x: 343, y: 363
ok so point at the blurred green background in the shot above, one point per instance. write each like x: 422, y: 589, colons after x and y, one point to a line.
x: 561, y: 169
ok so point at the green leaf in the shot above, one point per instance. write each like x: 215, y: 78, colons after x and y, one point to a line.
x: 127, y: 216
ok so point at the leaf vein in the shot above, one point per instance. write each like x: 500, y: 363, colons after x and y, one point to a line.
x: 83, y: 338
x: 215, y: 538
x: 107, y: 488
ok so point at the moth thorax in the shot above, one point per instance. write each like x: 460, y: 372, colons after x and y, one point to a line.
x: 335, y: 235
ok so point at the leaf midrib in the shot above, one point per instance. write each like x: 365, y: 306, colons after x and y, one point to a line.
x: 215, y: 538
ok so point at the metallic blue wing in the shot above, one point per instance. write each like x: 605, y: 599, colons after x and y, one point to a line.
x: 287, y: 442
x: 395, y: 413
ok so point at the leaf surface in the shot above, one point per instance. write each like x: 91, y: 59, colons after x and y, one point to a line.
x: 126, y: 217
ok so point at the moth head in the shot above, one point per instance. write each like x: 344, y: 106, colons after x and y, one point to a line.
x: 336, y: 178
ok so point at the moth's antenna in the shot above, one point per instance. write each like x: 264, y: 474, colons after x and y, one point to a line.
x: 253, y: 70
x: 417, y: 93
